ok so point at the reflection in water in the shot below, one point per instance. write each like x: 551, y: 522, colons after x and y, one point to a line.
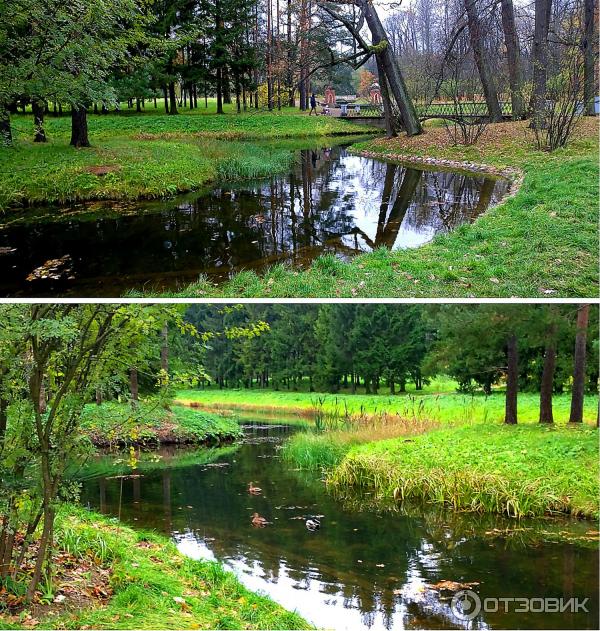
x: 330, y: 202
x: 369, y: 568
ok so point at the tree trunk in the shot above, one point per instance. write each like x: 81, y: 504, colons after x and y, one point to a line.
x: 513, y: 55
x: 589, y: 57
x: 543, y: 9
x: 39, y: 135
x: 166, y: 98
x: 512, y: 380
x: 219, y: 91
x: 45, y: 541
x: 172, y: 99
x: 488, y: 84
x: 547, y: 386
x: 133, y: 383
x: 410, y: 120
x: 226, y: 86
x: 576, y: 416
x: 5, y: 129
x: 164, y: 349
x: 79, y: 129
x: 3, y: 420
x: 388, y: 114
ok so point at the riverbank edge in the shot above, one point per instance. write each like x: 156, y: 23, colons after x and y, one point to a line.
x: 514, y: 175
x: 281, y: 280
x: 146, y: 581
x: 245, y: 407
x: 83, y: 196
x: 167, y: 427
x: 447, y: 476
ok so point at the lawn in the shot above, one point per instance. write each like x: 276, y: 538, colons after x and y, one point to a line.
x: 527, y: 470
x: 114, y: 423
x: 112, y: 577
x: 151, y: 155
x: 438, y: 402
x: 542, y: 242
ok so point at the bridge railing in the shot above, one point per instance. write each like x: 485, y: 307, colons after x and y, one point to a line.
x: 463, y: 109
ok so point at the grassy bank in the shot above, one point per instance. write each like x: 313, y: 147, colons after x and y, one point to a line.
x: 522, y: 470
x: 541, y: 242
x: 114, y: 423
x: 437, y: 401
x: 150, y: 155
x: 112, y: 577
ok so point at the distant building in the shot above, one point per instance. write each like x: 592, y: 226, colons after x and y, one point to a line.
x: 375, y: 93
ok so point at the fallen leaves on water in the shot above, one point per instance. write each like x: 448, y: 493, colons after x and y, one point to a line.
x: 53, y: 269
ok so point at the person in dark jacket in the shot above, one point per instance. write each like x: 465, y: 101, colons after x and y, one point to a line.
x: 313, y: 104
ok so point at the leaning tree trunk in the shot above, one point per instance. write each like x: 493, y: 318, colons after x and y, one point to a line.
x: 39, y: 135
x: 515, y: 77
x: 547, y: 385
x: 410, y: 120
x: 79, y: 128
x: 579, y: 365
x: 488, y: 84
x: 512, y: 380
x: 388, y: 114
x: 589, y: 57
x: 543, y: 9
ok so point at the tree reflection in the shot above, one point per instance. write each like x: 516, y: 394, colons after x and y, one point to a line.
x: 330, y: 201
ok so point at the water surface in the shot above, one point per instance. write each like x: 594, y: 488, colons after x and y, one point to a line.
x: 366, y: 567
x: 329, y: 202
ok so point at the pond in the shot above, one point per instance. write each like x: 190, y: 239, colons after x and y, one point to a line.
x: 329, y: 202
x: 367, y: 567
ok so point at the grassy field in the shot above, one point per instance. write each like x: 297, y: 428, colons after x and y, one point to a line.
x: 524, y: 470
x: 437, y: 402
x: 112, y: 577
x: 543, y: 242
x: 115, y: 423
x: 151, y: 155
x: 449, y: 449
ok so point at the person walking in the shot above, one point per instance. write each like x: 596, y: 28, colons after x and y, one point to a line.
x: 313, y: 104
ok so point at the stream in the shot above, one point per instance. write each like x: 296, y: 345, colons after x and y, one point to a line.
x: 329, y: 202
x: 368, y: 566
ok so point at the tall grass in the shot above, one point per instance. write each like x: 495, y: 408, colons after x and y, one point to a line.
x: 338, y: 429
x: 518, y: 471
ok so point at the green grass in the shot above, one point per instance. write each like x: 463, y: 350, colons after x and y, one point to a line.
x: 146, y: 579
x: 317, y: 451
x: 543, y: 242
x: 437, y: 401
x: 151, y: 423
x: 527, y: 470
x: 151, y: 155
